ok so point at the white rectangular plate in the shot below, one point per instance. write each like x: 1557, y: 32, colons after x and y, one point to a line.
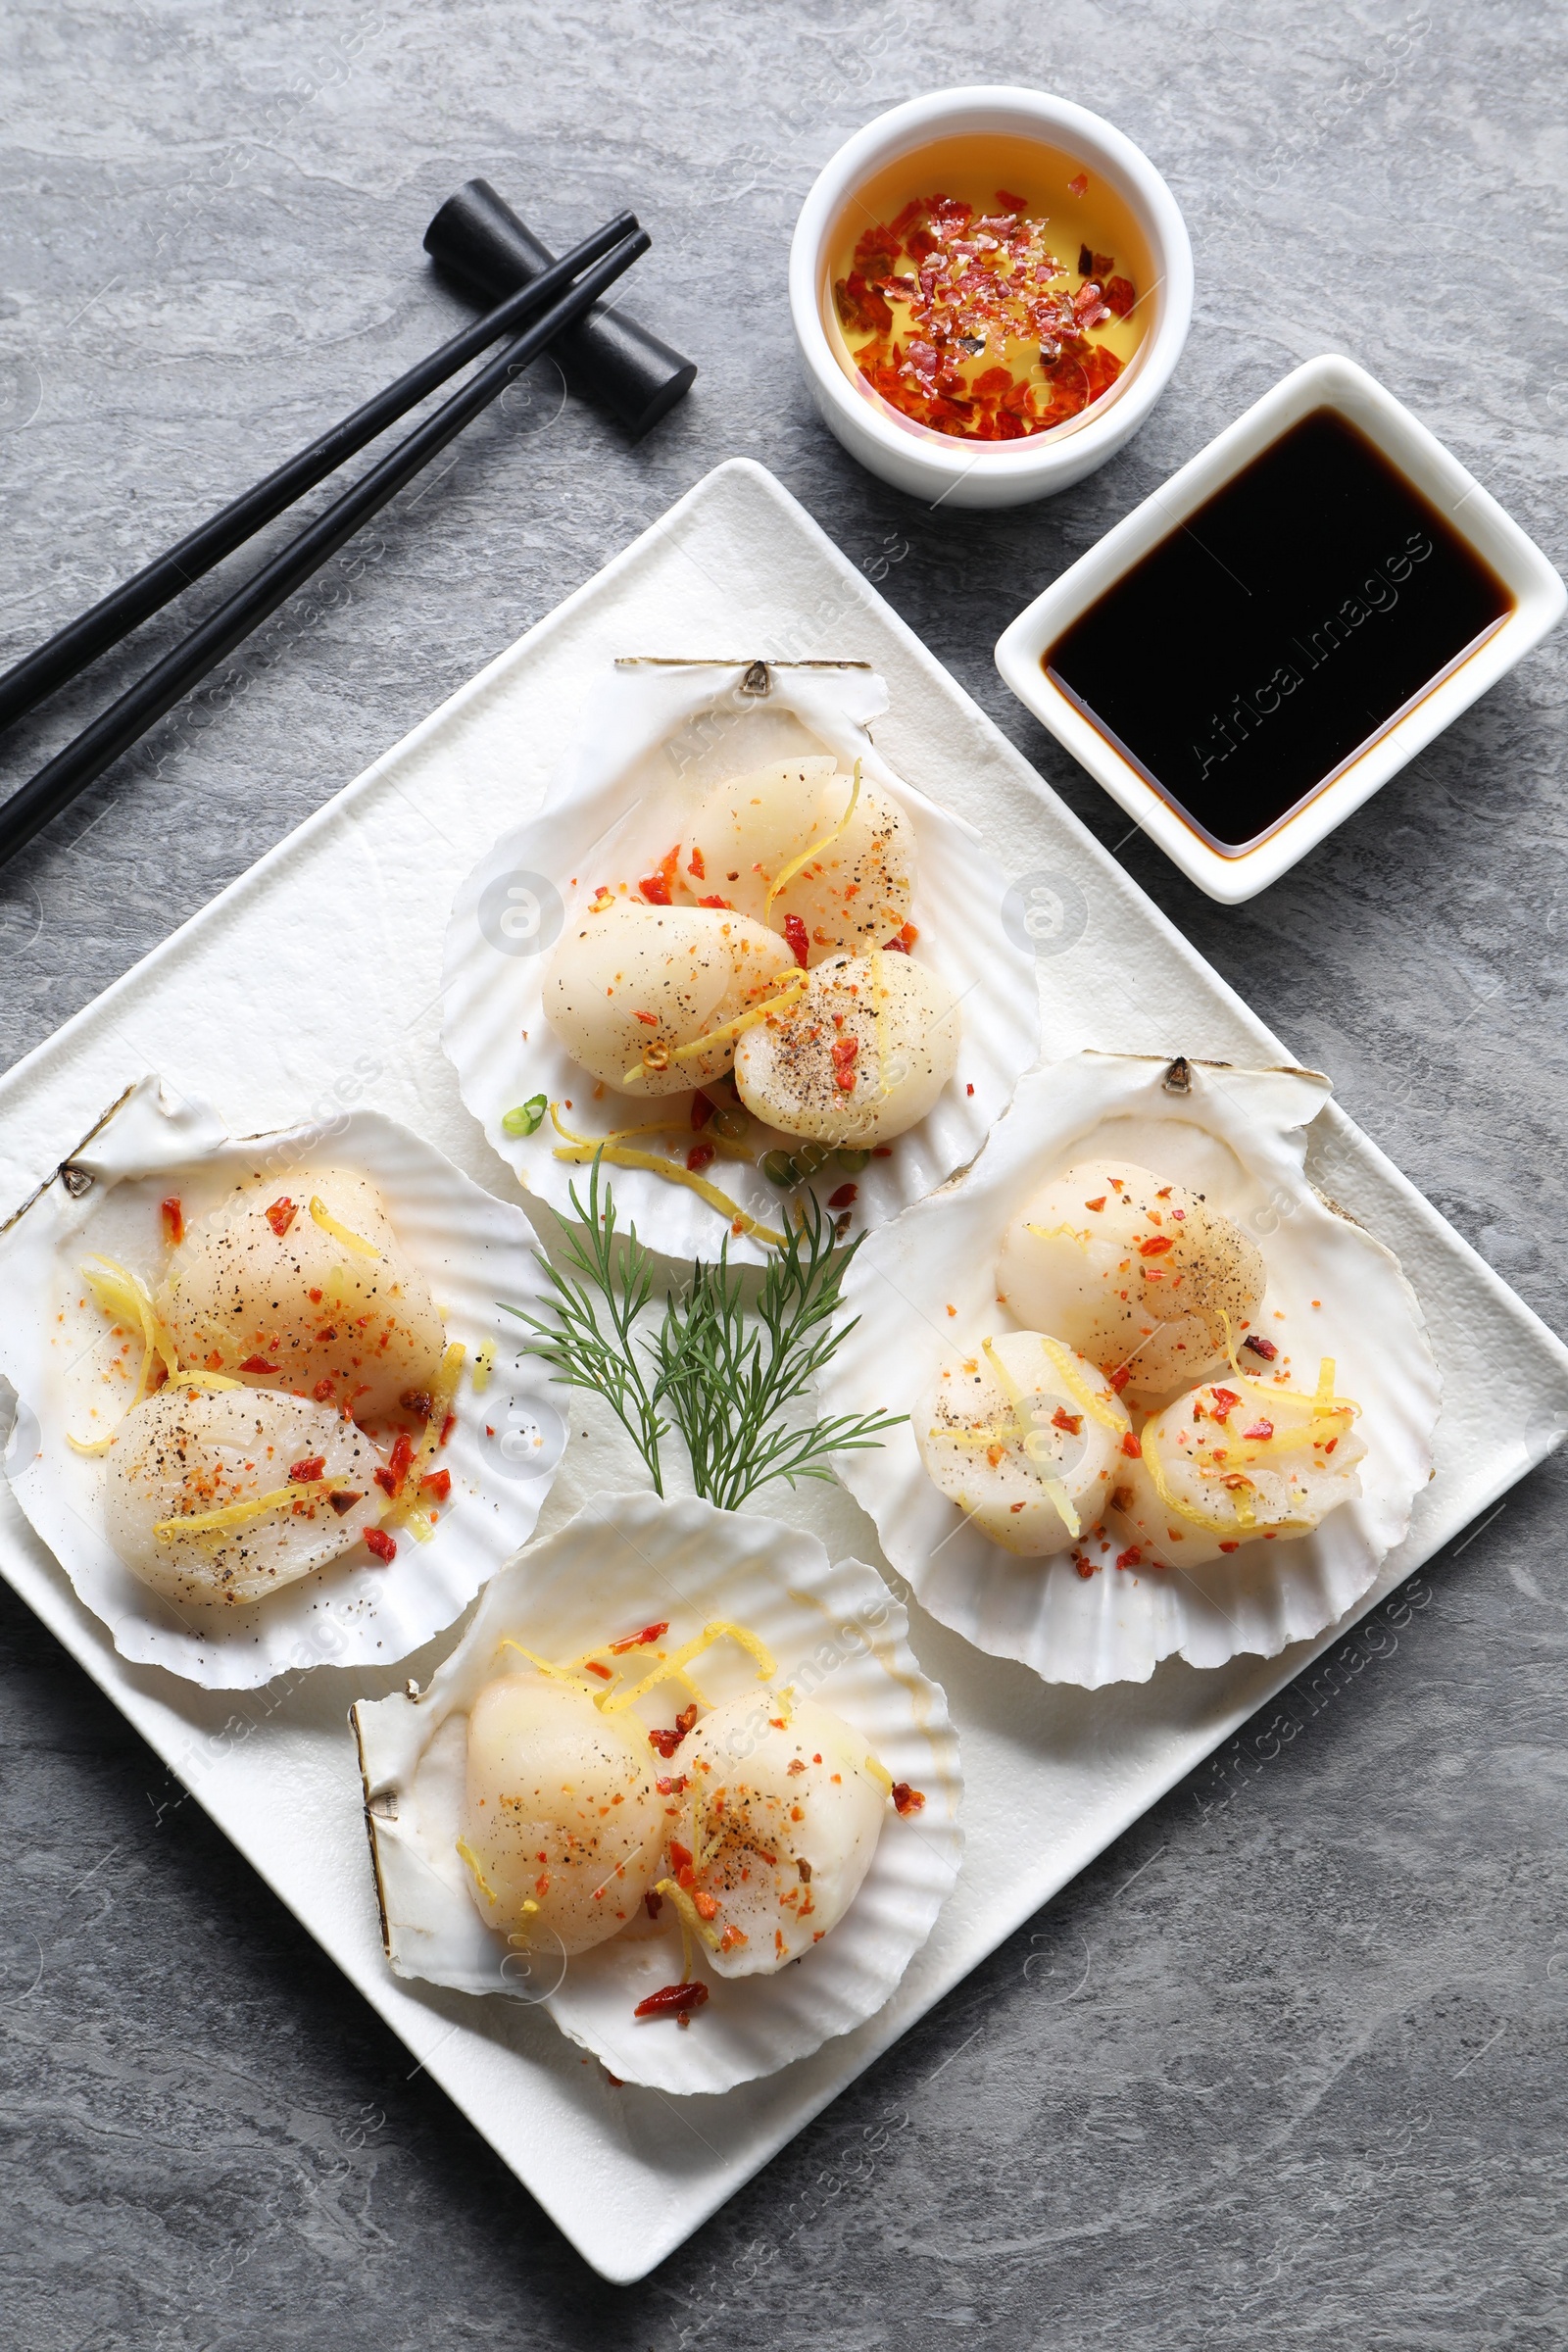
x: 312, y: 982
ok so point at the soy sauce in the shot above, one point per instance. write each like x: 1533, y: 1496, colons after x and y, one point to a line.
x: 1265, y: 642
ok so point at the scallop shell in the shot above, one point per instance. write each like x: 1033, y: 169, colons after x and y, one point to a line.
x: 926, y: 1287
x: 658, y: 735
x: 473, y: 1250
x: 837, y: 1635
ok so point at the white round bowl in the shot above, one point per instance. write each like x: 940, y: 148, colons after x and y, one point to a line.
x: 944, y: 468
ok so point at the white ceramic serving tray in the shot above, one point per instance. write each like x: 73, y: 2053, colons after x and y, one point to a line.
x: 1052, y: 1776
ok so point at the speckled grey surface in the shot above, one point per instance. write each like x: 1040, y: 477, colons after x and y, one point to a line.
x: 1288, y: 2065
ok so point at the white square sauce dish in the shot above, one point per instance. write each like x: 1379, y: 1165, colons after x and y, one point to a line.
x: 1248, y: 655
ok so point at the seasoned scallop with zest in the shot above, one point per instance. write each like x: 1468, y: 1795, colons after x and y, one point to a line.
x: 1238, y: 1461
x: 786, y: 1805
x: 1026, y: 1437
x: 820, y: 857
x: 860, y: 1053
x: 646, y: 998
x: 1134, y: 1271
x: 299, y: 1281
x: 562, y: 1824
x: 230, y: 1494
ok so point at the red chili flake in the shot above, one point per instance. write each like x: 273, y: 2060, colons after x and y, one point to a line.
x: 1072, y: 1423
x: 906, y: 1800
x: 1259, y: 1429
x: 1120, y: 1377
x: 675, y: 1786
x: 215, y: 1362
x: 700, y: 1157
x: 396, y: 1467
x: 418, y: 1403
x: 706, y: 1906
x: 799, y: 945
x: 656, y: 886
x: 1079, y: 187
x: 1120, y: 297
x: 845, y: 1197
x: 701, y: 1110
x: 1132, y: 1558
x: 343, y: 1500
x: 173, y: 1221
x: 378, y: 1540
x: 257, y: 1363
x: 322, y: 1389
x: 437, y: 1484
x: 969, y: 1090
x: 447, y: 1427
x: 666, y: 1743
x: 643, y: 1640
x: 673, y: 2000
x: 1130, y: 1445
x: 649, y: 1020
x: 1226, y: 1401
x: 1260, y: 1347
x: 843, y: 1051
x: 605, y: 1674
x: 282, y: 1215
x: 1095, y: 1205
x: 1230, y: 1547
x: 881, y: 1150
x: 1156, y: 1246
x: 312, y: 1469
x: 724, y: 902
x: 696, y: 867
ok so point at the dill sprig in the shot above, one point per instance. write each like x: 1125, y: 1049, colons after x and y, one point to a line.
x: 724, y: 1373
x: 574, y: 1344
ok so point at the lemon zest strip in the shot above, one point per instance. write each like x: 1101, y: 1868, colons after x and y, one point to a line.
x: 788, y: 873
x: 480, y: 1880
x: 1054, y: 1486
x: 585, y: 1149
x: 571, y: 1676
x: 691, y: 1921
x: 1096, y: 1406
x: 723, y: 1145
x: 611, y: 1703
x: 240, y: 1514
x: 881, y: 1774
x: 345, y: 1234
x: 788, y: 993
x: 125, y: 1299
x: 483, y: 1363
x: 89, y: 1444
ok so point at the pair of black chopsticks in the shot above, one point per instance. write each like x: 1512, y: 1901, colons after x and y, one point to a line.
x: 595, y: 264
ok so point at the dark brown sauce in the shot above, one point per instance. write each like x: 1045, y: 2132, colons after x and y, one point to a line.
x: 1254, y: 652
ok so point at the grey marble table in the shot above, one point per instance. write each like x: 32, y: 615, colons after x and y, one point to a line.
x: 1288, y: 2065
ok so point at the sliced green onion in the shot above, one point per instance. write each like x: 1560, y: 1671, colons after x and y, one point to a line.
x: 526, y: 1118
x: 852, y: 1162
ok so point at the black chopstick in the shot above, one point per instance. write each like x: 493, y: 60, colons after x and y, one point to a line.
x: 82, y: 640
x: 99, y: 745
